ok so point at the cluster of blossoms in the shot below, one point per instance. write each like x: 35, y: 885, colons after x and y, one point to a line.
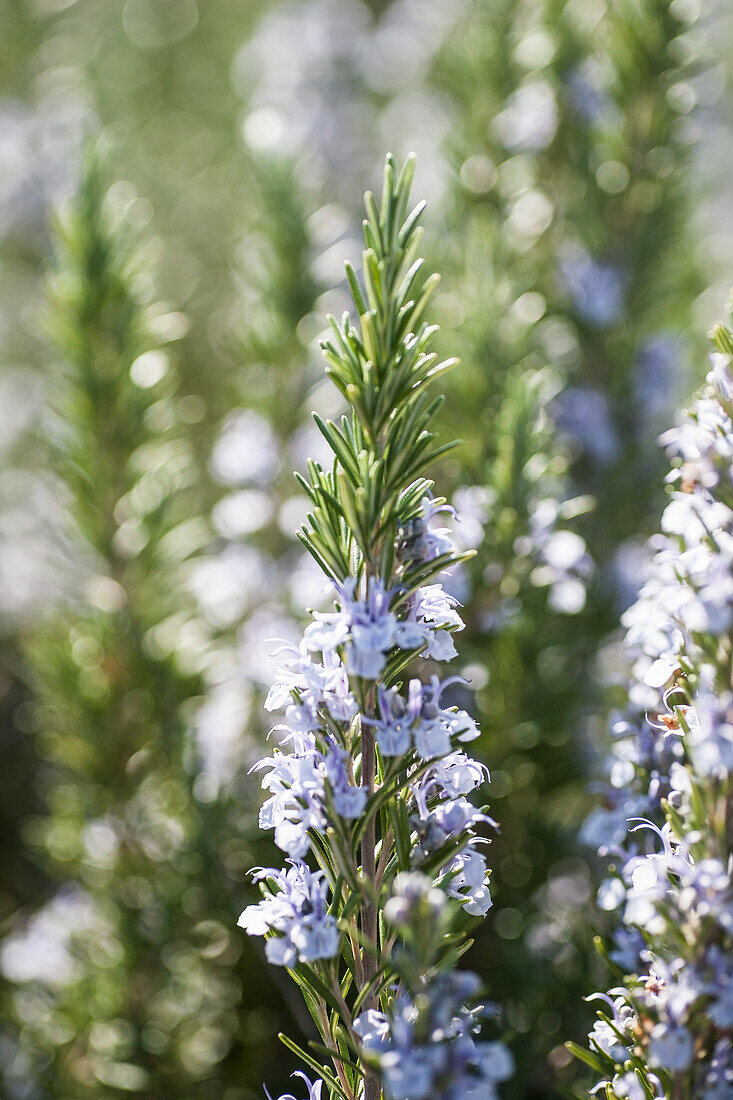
x: 312, y: 786
x: 370, y: 780
x: 426, y: 1046
x: 667, y: 827
x: 295, y: 905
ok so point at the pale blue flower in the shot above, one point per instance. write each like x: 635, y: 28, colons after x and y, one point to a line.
x: 435, y: 726
x: 721, y: 986
x: 426, y: 1047
x: 349, y: 801
x: 606, y: 1038
x: 295, y: 905
x: 419, y: 720
x: 408, y: 1074
x: 413, y: 893
x: 310, y: 684
x: 583, y: 414
x: 432, y: 738
x: 372, y: 627
x: 628, y: 943
x: 373, y: 1028
x: 456, y: 774
x: 393, y: 728
x: 418, y: 540
x: 435, y: 606
x: 671, y: 1048
x: 659, y: 378
x: 629, y: 1087
x: 296, y: 802
x: 470, y: 881
x: 366, y: 628
x: 314, y: 1089
x: 718, y: 1080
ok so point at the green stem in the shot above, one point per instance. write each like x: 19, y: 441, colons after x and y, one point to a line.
x: 369, y: 924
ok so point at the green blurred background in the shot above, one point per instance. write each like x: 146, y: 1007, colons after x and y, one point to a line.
x: 576, y: 158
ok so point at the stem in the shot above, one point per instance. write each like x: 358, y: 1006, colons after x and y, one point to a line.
x: 728, y: 826
x: 370, y: 916
x: 372, y: 1087
x: 327, y: 1037
x: 368, y: 861
x: 384, y: 857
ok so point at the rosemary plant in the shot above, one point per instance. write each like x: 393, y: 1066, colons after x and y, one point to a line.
x: 563, y: 242
x: 666, y: 826
x: 116, y: 982
x: 372, y: 778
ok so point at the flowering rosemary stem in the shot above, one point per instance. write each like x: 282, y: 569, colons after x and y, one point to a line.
x: 347, y: 714
x: 664, y: 1029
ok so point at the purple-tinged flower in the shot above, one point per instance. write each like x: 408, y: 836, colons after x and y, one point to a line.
x: 435, y: 610
x: 393, y: 728
x: 446, y: 821
x: 366, y: 628
x: 710, y: 737
x: 294, y: 905
x: 705, y: 890
x: 308, y: 684
x: 348, y: 801
x: 418, y: 540
x: 670, y: 1048
x: 582, y: 414
x: 314, y: 1089
x: 435, y: 725
x: 720, y: 987
x: 718, y: 1080
x: 419, y: 719
x: 372, y: 630
x: 627, y: 1086
x: 373, y: 1029
x: 495, y: 1065
x: 454, y: 775
x: 659, y: 378
x: 296, y: 802
x: 409, y: 1073
x: 671, y: 988
x: 628, y: 943
x: 426, y: 1046
x: 432, y: 738
x: 470, y: 881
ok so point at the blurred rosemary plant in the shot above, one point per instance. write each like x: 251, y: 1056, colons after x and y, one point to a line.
x: 572, y: 178
x: 119, y: 984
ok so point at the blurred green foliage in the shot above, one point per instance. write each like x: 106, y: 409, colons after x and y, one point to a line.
x: 574, y: 258
x: 558, y: 141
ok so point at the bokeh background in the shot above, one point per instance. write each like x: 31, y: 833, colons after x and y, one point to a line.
x: 158, y: 365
